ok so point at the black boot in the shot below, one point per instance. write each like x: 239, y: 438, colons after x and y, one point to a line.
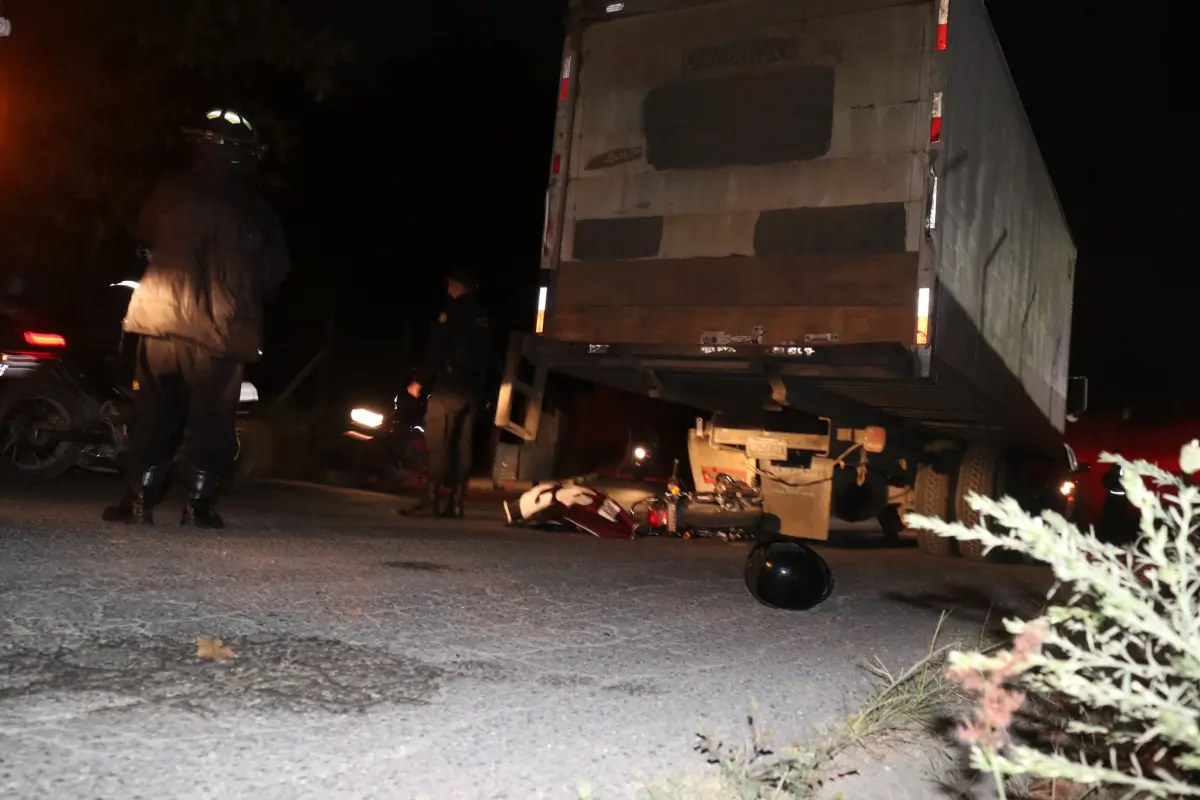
x: 203, y: 490
x: 429, y: 506
x: 454, y: 509
x: 141, y: 495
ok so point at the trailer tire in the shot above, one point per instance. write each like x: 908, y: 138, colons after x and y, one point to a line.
x: 932, y: 490
x: 982, y: 472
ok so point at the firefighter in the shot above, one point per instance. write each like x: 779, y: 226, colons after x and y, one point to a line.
x: 216, y: 249
x: 455, y: 377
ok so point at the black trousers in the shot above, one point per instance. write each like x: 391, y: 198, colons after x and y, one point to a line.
x: 449, y: 423
x: 184, y: 390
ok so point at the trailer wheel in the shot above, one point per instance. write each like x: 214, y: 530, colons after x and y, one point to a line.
x: 981, y: 472
x: 933, y: 490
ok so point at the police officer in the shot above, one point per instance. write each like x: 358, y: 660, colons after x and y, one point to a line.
x: 1120, y: 520
x: 455, y: 374
x: 216, y: 249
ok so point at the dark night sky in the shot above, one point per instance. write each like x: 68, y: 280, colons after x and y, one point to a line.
x: 450, y: 148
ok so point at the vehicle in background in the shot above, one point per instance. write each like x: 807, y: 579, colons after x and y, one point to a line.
x: 60, y: 409
x: 387, y: 439
x: 868, y: 287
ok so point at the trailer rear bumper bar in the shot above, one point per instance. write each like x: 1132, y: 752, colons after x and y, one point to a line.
x: 714, y: 377
x: 869, y: 361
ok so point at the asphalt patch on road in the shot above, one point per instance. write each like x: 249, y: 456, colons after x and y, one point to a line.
x: 419, y: 566
x: 491, y: 672
x: 267, y: 673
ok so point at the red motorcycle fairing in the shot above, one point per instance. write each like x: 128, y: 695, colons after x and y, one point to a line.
x: 584, y: 508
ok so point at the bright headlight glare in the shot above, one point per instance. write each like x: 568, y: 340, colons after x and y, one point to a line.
x: 366, y: 417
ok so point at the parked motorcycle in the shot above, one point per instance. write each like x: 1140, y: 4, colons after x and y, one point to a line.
x: 642, y: 459
x: 389, y: 440
x: 59, y: 410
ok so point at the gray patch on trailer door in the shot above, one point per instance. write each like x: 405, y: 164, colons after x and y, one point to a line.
x: 732, y: 120
x: 617, y: 238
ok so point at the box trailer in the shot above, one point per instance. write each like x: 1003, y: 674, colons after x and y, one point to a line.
x: 828, y: 223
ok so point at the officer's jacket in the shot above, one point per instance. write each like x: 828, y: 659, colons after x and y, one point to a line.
x: 216, y: 248
x: 460, y: 347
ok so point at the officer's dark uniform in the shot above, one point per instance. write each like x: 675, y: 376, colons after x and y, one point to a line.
x: 216, y: 250
x: 455, y: 369
x: 1120, y: 520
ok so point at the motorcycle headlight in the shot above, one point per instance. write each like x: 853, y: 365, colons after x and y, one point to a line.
x: 640, y: 453
x: 366, y: 417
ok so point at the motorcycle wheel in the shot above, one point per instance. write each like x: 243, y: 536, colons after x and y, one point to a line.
x: 28, y: 412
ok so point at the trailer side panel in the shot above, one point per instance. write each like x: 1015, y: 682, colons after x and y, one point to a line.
x: 1005, y: 258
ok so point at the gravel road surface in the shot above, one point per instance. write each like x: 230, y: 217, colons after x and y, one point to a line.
x: 378, y: 658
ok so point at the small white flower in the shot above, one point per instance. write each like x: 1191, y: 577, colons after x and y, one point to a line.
x: 1189, y: 457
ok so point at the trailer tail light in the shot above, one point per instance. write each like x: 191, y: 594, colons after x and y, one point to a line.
x: 44, y: 339
x: 564, y: 85
x: 943, y: 20
x: 935, y: 122
x: 922, y: 337
x: 539, y: 326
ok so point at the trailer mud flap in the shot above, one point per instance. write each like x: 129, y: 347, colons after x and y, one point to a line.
x: 522, y: 417
x: 801, y: 498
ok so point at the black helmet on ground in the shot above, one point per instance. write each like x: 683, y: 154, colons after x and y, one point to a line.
x: 785, y: 573
x: 226, y: 135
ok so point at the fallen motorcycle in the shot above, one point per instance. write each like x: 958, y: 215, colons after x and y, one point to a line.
x: 581, y: 508
x: 780, y: 572
x: 732, y: 511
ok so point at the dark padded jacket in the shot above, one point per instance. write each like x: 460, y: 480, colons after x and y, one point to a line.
x: 460, y: 349
x: 216, y: 250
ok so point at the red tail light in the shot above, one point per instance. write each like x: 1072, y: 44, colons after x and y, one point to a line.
x: 943, y: 19
x: 44, y: 339
x: 564, y: 86
x: 658, y: 518
x: 935, y: 123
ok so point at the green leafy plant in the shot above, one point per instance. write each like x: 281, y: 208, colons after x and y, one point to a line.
x: 1103, y: 689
